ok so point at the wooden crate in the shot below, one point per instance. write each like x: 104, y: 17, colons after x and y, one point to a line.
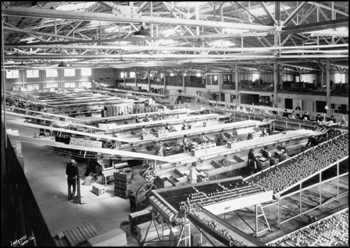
x: 116, y: 237
x: 77, y: 236
x: 137, y: 218
x: 98, y: 189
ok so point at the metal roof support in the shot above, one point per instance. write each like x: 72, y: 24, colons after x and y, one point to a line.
x: 48, y: 13
x: 344, y: 22
x: 39, y: 33
x: 289, y: 18
x: 328, y: 89
x: 256, y: 18
x: 268, y: 12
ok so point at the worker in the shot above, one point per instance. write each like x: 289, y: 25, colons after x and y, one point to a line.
x: 312, y: 141
x: 318, y: 118
x: 146, y: 119
x: 194, y: 173
x: 253, y: 164
x: 183, y: 126
x: 306, y: 116
x: 186, y: 144
x: 282, y: 147
x: 166, y: 126
x: 266, y: 154
x: 234, y: 133
x: 161, y: 150
x: 204, y: 124
x: 332, y: 119
x: 343, y: 121
x: 250, y: 136
x: 223, y: 139
x: 144, y: 131
x: 137, y: 120
x: 72, y: 176
x: 203, y: 139
x: 285, y: 114
x: 292, y: 115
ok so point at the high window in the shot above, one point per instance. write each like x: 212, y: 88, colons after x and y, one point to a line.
x: 32, y: 73
x: 69, y: 72
x: 51, y: 73
x: 12, y: 74
x: 86, y: 71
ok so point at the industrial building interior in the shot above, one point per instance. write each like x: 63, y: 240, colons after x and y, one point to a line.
x: 194, y: 123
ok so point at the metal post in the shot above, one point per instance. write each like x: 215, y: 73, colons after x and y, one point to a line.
x: 124, y: 78
x: 300, y: 199
x: 279, y: 213
x: 320, y: 188
x: 3, y: 76
x: 338, y: 181
x: 256, y: 221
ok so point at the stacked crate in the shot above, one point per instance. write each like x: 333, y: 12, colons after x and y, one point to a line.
x: 122, y: 184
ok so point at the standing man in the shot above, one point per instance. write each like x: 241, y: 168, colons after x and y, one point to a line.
x: 72, y: 176
x: 253, y: 164
x: 194, y: 173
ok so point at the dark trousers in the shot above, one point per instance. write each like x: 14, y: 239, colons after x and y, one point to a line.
x: 72, y: 184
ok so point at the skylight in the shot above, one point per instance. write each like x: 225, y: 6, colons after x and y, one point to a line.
x: 225, y: 43
x: 190, y: 4
x: 77, y: 7
x: 260, y: 11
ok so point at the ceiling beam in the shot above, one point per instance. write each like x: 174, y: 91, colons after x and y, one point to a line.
x: 46, y: 13
x: 289, y: 18
x: 39, y: 33
x: 268, y: 12
x: 256, y: 18
x: 316, y: 26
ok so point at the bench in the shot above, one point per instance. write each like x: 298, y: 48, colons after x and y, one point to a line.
x: 77, y: 236
x: 116, y: 237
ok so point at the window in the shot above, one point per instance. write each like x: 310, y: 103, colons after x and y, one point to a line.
x: 227, y: 78
x: 339, y: 78
x: 215, y: 80
x: 69, y: 72
x: 32, y: 86
x: 69, y: 85
x: 12, y: 74
x: 86, y: 71
x: 32, y: 73
x: 86, y: 84
x: 255, y: 76
x: 51, y: 73
x: 122, y: 74
x: 209, y: 79
x: 132, y: 74
x: 54, y: 85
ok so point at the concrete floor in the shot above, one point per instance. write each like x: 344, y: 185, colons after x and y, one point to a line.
x: 45, y: 171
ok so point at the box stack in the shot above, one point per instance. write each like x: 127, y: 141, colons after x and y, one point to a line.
x: 122, y: 184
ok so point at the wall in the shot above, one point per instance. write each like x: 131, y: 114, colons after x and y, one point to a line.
x: 100, y: 75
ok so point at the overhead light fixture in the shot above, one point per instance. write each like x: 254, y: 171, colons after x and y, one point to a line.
x: 142, y: 33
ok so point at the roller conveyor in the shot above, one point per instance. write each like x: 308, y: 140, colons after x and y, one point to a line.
x: 211, y: 198
x: 227, y: 234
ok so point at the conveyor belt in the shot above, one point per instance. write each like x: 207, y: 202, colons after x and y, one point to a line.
x: 245, y: 145
x: 190, y: 132
x: 295, y: 170
x: 222, y: 231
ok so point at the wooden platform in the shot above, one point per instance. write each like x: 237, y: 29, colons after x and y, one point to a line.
x: 77, y: 236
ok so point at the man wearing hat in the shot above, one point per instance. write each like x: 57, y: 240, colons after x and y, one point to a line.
x: 72, y: 176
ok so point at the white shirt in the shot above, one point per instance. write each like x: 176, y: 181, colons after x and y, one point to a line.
x: 194, y: 173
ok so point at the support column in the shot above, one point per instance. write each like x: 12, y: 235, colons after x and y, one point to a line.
x: 236, y: 82
x: 322, y: 79
x: 136, y: 78
x: 164, y: 82
x: 124, y: 78
x: 149, y: 80
x: 183, y: 82
x: 328, y: 89
x: 275, y: 81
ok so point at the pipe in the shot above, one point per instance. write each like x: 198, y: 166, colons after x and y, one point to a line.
x: 192, y: 49
x: 48, y: 13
